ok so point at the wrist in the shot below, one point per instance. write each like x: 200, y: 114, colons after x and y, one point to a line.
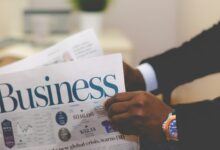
x: 136, y: 81
x: 140, y: 83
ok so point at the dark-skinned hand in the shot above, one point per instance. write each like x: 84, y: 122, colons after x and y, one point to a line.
x: 138, y: 113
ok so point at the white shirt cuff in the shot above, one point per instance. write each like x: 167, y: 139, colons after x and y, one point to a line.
x: 149, y: 76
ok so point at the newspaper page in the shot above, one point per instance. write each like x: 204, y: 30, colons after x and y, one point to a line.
x: 60, y: 107
x: 79, y: 46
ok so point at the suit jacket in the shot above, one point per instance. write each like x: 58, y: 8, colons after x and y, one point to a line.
x: 199, y: 123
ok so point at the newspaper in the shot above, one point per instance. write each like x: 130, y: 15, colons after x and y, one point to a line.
x: 80, y: 46
x: 60, y: 106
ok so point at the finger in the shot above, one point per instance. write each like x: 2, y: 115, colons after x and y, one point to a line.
x: 118, y: 108
x: 126, y: 96
x: 120, y: 118
x: 127, y: 131
x: 122, y: 107
x: 125, y: 128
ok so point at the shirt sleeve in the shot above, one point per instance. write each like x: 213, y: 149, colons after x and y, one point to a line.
x: 149, y: 76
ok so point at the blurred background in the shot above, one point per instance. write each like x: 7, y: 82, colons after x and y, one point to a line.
x: 137, y: 29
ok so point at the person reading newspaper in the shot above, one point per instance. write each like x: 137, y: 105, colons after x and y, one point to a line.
x: 195, y: 126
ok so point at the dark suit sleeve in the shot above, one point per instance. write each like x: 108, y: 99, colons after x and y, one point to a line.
x: 199, y: 125
x: 194, y: 59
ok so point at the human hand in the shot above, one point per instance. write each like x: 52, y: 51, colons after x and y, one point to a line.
x: 138, y: 113
x: 134, y: 80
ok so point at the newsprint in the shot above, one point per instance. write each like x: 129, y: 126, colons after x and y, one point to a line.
x: 54, y: 99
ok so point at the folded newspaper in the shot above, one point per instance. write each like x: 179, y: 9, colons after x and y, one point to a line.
x: 51, y: 102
